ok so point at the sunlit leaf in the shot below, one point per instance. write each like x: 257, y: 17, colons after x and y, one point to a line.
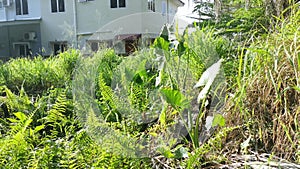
x: 174, y: 97
x: 218, y: 120
x: 38, y: 128
x: 166, y: 152
x: 162, y: 116
x: 161, y: 43
x: 207, y: 79
x: 21, y: 116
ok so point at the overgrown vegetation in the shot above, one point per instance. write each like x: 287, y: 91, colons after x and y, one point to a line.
x: 150, y: 110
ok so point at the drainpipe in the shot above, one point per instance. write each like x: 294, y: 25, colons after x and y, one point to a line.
x: 75, y: 23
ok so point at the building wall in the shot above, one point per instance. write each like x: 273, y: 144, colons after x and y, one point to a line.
x: 80, y: 21
x: 9, y: 13
x: 167, y: 8
x: 16, y: 34
x: 57, y: 27
x: 4, y: 42
x: 98, y: 16
x: 12, y: 36
x: 108, y: 22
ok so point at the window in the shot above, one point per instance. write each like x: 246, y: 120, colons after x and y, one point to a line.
x: 59, y: 47
x: 151, y: 5
x: 117, y: 3
x: 22, y: 49
x: 21, y: 7
x: 57, y: 6
x: 94, y: 46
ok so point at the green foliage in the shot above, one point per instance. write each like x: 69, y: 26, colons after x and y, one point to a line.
x: 38, y: 74
x: 133, y: 107
x: 239, y: 21
x: 176, y: 99
x: 107, y: 101
x: 210, y: 152
x: 218, y: 120
x: 266, y: 93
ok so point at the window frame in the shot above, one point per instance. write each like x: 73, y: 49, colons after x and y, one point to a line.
x: 118, y: 4
x: 151, y: 5
x: 23, y: 8
x: 56, y: 7
x: 62, y: 47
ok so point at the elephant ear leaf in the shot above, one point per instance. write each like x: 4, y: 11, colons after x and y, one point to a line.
x: 161, y: 43
x: 174, y: 97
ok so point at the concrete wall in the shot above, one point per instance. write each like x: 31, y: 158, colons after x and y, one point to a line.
x: 4, y: 42
x: 57, y: 26
x: 81, y: 20
x: 11, y: 36
x: 17, y: 35
x: 9, y: 13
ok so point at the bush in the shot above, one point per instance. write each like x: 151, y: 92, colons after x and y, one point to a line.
x: 38, y: 74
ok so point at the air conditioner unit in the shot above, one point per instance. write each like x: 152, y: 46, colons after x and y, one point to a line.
x: 6, y: 2
x: 82, y: 0
x: 30, y: 36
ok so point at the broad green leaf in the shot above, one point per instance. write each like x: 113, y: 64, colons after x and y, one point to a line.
x: 174, y: 97
x: 181, y: 153
x: 166, y: 152
x: 218, y: 120
x: 161, y: 43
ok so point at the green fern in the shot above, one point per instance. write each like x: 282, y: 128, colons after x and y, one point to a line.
x: 56, y: 121
x: 107, y: 101
x: 210, y: 151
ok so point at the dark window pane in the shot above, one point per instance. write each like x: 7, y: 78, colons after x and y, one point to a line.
x: 61, y: 4
x: 25, y: 7
x: 122, y: 3
x: 53, y: 6
x: 63, y: 47
x: 22, y: 50
x: 56, y: 49
x: 153, y: 6
x: 18, y: 7
x: 94, y: 46
x: 113, y: 3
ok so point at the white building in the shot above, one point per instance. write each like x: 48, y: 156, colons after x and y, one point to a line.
x: 49, y: 26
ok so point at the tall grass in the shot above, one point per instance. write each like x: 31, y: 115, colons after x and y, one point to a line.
x: 267, y: 97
